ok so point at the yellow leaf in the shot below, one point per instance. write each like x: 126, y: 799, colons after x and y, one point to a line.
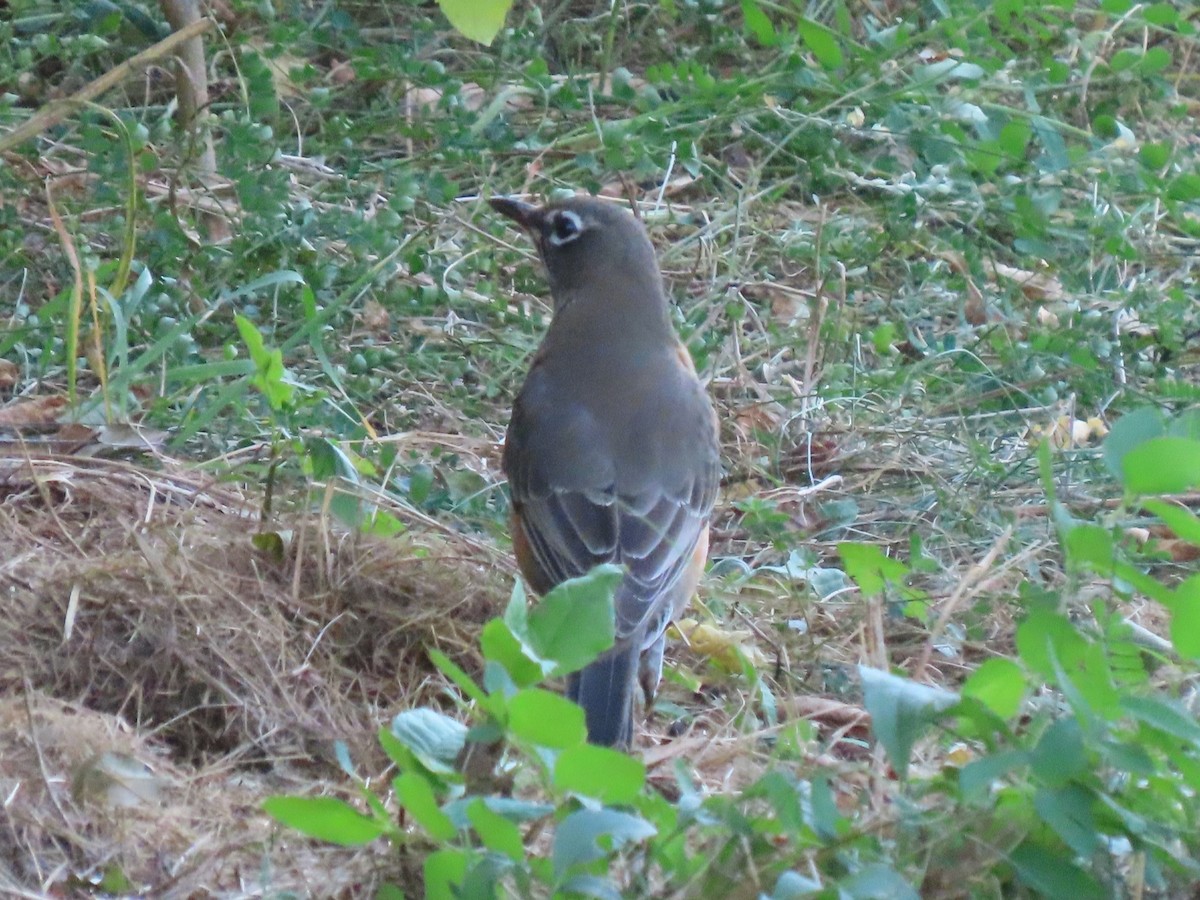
x: 480, y: 20
x: 722, y: 646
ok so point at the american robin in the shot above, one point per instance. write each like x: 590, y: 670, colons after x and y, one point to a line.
x: 611, y: 453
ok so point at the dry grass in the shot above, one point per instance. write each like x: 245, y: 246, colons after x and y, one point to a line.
x: 162, y: 676
x: 143, y: 623
x: 143, y: 626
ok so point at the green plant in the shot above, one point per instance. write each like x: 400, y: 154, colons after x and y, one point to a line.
x: 1077, y: 776
x: 913, y: 243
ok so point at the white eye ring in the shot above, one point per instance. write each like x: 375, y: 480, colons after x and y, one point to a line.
x: 565, y: 226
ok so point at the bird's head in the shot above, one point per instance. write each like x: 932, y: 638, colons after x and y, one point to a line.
x: 586, y: 245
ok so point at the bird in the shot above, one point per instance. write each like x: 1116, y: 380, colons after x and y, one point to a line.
x: 612, y: 450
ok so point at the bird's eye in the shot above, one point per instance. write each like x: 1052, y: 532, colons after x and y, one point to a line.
x: 564, y: 227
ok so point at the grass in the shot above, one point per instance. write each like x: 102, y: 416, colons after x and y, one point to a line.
x: 908, y: 245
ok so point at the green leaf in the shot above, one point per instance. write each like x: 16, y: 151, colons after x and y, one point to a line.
x: 1043, y: 629
x: 433, y: 738
x: 593, y: 886
x: 1106, y: 127
x: 1059, y: 756
x: 826, y: 817
x: 501, y: 646
x: 1164, y: 465
x: 1047, y: 130
x: 496, y: 832
x: 1185, y: 618
x: 516, y: 613
x: 251, y: 338
x: 271, y: 543
x: 1130, y: 756
x: 883, y: 337
x: 600, y: 772
x: 1014, y: 139
x: 1155, y: 156
x: 759, y: 24
x: 325, y: 818
x: 901, y: 710
x: 480, y: 20
x: 499, y: 685
x: 510, y: 808
x: 381, y: 523
x: 794, y: 886
x: 1165, y: 716
x: 114, y: 881
x: 396, y: 751
x: 1129, y: 431
x: 269, y: 371
x: 574, y: 623
x: 577, y: 840
x: 1186, y: 424
x: 1155, y: 60
x: 1179, y: 519
x: 1185, y: 188
x: 977, y: 777
x: 444, y: 871
x: 1138, y: 580
x: 454, y: 672
x: 329, y: 460
x: 1090, y: 544
x: 341, y: 753
x: 546, y: 719
x: 260, y: 86
x: 1087, y: 683
x: 269, y: 380
x: 999, y: 684
x: 1162, y: 14
x: 1125, y: 59
x: 784, y: 795
x: 877, y: 881
x: 822, y: 42
x: 870, y: 567
x: 1068, y: 810
x: 826, y: 582
x: 1053, y: 874
x: 416, y: 796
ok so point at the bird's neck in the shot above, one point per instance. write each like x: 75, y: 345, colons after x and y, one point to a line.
x: 601, y: 322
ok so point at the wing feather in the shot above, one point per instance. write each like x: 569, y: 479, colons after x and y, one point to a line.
x: 576, y: 511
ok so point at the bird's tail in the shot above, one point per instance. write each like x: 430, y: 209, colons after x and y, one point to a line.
x: 605, y: 691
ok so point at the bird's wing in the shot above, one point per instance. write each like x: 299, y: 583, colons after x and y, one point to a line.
x: 657, y: 546
x: 577, y: 505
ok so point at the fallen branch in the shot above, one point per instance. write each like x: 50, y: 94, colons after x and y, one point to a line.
x: 53, y: 113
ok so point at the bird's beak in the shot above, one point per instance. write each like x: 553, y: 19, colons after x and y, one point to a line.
x: 524, y: 214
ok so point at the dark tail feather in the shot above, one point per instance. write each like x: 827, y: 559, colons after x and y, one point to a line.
x: 605, y: 691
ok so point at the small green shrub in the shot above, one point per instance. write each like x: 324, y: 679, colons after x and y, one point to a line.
x: 1075, y: 772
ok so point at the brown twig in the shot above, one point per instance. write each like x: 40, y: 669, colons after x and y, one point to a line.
x: 53, y: 113
x: 192, y: 90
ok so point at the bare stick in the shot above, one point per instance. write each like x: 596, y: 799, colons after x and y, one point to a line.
x: 53, y: 113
